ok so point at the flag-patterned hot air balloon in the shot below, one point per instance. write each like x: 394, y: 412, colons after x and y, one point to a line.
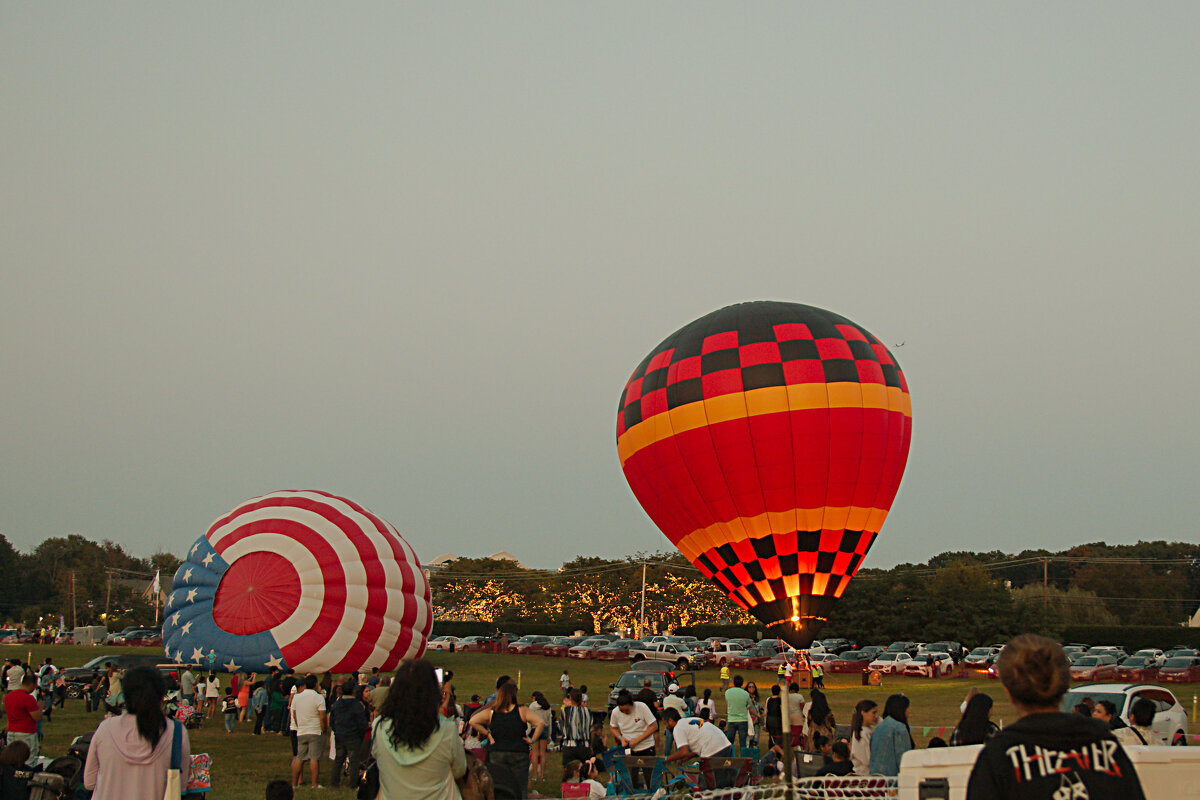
x: 767, y: 441
x: 302, y: 580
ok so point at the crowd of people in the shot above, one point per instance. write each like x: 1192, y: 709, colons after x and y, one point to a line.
x: 421, y: 740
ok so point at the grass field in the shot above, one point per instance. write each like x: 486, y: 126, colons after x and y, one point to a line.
x: 243, y: 763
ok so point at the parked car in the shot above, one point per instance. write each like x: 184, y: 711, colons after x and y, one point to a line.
x: 752, y: 658
x: 661, y: 674
x: 851, y: 661
x: 892, y: 663
x: 560, y: 646
x: 76, y: 678
x: 1176, y: 652
x: 65, y: 637
x: 469, y: 643
x: 725, y: 653
x: 1116, y: 652
x: 1137, y: 669
x: 1170, y: 722
x: 837, y: 645
x: 1102, y: 667
x: 982, y: 657
x: 745, y: 643
x: 119, y: 637
x: 930, y: 665
x: 712, y: 642
x: 144, y: 638
x: 954, y: 649
x: 1181, y: 669
x: 677, y: 654
x: 816, y: 648
x: 447, y: 643
x: 587, y: 648
x: 8, y: 636
x: 1075, y: 650
x: 529, y: 645
x: 903, y: 647
x: 872, y: 650
x: 1156, y: 655
x: 617, y: 651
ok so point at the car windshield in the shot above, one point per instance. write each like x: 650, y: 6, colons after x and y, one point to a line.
x: 98, y: 661
x: 1075, y: 697
x: 1087, y: 661
x: 887, y: 657
x: 1183, y: 661
x: 631, y: 680
x: 981, y: 651
x: 896, y: 646
x: 1135, y: 661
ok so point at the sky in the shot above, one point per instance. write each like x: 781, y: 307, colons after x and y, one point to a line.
x: 410, y: 253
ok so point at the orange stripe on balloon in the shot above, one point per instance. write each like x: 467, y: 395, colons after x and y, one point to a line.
x: 768, y: 400
x: 710, y: 538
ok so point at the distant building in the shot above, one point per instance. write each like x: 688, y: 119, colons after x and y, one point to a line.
x: 440, y: 562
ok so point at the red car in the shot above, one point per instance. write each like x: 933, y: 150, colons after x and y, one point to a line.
x: 559, y: 647
x: 849, y: 662
x: 617, y: 651
x: 1094, y: 668
x: 1137, y: 669
x: 1182, y: 669
x: 526, y: 644
x: 754, y: 657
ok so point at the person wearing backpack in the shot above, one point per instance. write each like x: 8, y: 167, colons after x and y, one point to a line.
x: 131, y: 753
x: 45, y: 682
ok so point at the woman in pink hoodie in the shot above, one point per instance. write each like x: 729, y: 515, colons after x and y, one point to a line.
x: 130, y: 753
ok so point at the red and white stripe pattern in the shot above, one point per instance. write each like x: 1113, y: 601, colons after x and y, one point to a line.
x: 364, y: 601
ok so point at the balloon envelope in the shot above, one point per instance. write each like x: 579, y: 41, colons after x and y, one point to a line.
x: 302, y: 580
x: 767, y: 441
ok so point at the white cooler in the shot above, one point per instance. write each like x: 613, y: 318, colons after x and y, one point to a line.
x: 1166, y: 773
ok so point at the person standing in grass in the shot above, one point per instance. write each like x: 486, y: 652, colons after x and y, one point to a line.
x: 309, y: 722
x: 258, y: 705
x: 230, y: 709
x: 212, y: 694
x: 891, y: 738
x: 349, y: 723
x: 417, y: 749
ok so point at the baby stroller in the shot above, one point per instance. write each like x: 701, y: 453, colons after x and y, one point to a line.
x: 58, y: 781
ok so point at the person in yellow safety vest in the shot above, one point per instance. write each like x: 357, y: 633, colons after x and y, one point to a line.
x: 818, y: 676
x: 724, y: 676
x: 782, y: 672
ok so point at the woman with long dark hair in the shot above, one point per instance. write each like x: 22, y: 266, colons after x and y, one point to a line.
x: 503, y: 723
x: 539, y: 745
x: 976, y: 725
x: 862, y: 725
x: 130, y: 753
x: 891, y: 738
x: 418, y: 750
x: 820, y: 716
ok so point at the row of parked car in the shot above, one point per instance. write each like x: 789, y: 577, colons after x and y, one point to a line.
x: 1104, y: 663
x: 131, y: 636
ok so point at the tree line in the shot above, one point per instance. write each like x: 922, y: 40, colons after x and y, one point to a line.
x: 81, y: 581
x: 962, y: 596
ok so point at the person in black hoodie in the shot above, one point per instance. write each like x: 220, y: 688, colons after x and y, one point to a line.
x: 348, y: 720
x: 1045, y: 754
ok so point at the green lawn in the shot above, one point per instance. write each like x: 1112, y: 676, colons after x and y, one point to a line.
x: 243, y: 763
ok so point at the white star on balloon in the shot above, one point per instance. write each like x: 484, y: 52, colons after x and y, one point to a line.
x: 191, y: 595
x: 187, y: 574
x: 179, y: 657
x: 208, y: 559
x: 274, y: 662
x: 175, y: 618
x: 197, y: 655
x: 195, y: 547
x: 170, y: 600
x: 187, y: 626
x: 230, y: 665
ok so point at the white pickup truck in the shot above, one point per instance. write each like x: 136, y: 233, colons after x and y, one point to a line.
x: 680, y: 655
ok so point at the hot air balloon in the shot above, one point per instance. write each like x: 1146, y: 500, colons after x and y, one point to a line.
x: 767, y: 441
x: 302, y: 580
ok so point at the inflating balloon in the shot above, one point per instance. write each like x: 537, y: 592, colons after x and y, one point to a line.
x: 302, y: 580
x: 767, y: 441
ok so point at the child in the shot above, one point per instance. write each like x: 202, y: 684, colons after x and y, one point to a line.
x: 840, y: 765
x: 580, y: 773
x: 230, y: 709
x: 279, y: 790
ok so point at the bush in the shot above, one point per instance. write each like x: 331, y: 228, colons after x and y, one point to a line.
x: 728, y: 631
x: 1133, y: 638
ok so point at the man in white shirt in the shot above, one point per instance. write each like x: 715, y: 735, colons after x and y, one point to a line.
x: 695, y: 738
x: 309, y: 721
x: 634, y: 727
x: 15, y: 675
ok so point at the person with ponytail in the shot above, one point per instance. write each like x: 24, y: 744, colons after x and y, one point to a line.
x: 862, y: 725
x: 130, y: 753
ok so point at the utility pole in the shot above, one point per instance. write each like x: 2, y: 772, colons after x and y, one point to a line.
x: 73, y: 619
x: 1045, y: 585
x: 108, y: 598
x: 642, y: 626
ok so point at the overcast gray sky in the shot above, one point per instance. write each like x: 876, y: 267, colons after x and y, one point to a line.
x: 410, y: 253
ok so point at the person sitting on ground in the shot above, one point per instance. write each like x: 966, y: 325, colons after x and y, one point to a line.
x: 1036, y: 674
x: 838, y: 762
x: 579, y: 773
x: 976, y: 725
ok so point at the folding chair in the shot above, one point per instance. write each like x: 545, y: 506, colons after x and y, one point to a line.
x: 575, y: 790
x: 725, y: 772
x: 619, y: 777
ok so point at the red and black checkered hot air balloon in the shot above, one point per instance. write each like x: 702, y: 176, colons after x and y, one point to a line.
x: 767, y: 441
